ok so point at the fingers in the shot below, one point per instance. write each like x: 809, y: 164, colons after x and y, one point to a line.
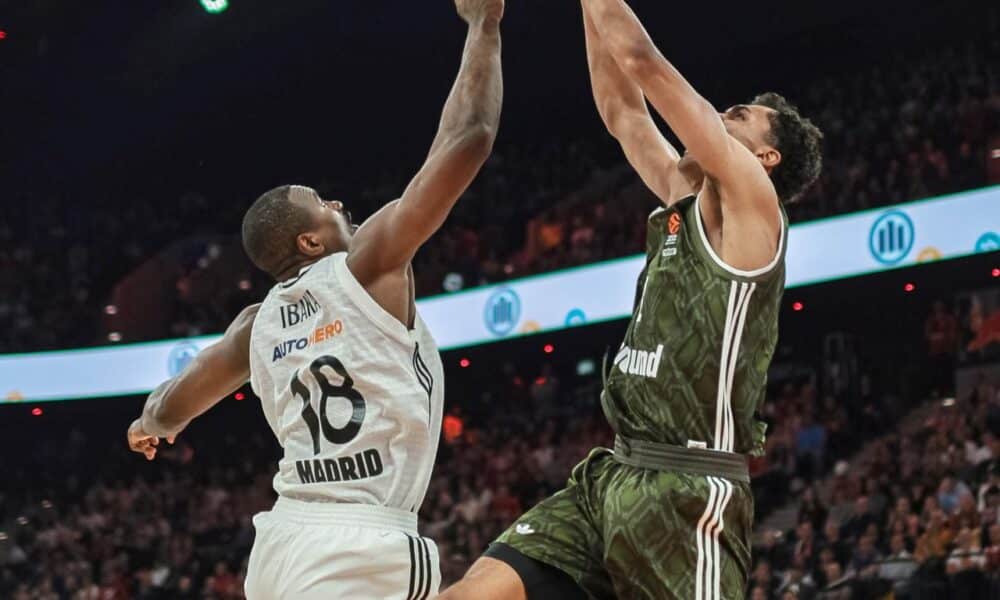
x: 146, y: 447
x: 143, y: 443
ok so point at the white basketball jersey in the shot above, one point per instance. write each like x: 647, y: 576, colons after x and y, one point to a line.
x: 354, y: 398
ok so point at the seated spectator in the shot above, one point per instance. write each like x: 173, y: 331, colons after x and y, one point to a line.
x: 835, y: 589
x: 505, y: 505
x: 797, y: 583
x: 764, y: 579
x: 936, y: 538
x: 993, y: 550
x: 967, y: 554
x: 899, y: 566
x: 811, y: 508
x: 859, y: 520
x: 864, y: 558
x: 833, y: 541
x: 806, y: 549
x: 966, y: 566
x: 950, y: 494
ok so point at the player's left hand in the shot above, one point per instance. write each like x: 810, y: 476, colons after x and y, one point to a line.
x: 142, y: 442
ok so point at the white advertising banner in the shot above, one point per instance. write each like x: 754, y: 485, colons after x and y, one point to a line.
x: 834, y: 248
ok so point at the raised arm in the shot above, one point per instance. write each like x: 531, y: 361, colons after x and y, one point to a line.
x: 216, y: 372
x: 468, y: 128
x: 623, y: 109
x: 694, y: 120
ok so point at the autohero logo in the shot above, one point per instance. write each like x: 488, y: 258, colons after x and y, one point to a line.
x: 502, y: 311
x: 320, y: 334
x: 891, y: 237
x: 180, y: 357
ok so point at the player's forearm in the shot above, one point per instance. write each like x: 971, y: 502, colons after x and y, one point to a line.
x: 216, y: 372
x: 614, y: 93
x: 160, y: 417
x: 689, y: 115
x: 472, y: 111
x: 212, y: 376
x: 628, y: 42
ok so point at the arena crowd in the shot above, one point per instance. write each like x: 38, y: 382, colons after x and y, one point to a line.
x: 911, y: 127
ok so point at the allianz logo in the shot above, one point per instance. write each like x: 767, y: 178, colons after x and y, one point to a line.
x: 639, y: 362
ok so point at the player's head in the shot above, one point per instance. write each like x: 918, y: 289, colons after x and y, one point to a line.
x: 291, y: 225
x: 787, y: 144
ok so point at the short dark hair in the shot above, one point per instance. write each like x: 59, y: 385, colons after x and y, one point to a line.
x: 799, y: 141
x: 270, y: 228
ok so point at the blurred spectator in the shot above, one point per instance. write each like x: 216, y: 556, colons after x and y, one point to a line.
x: 912, y: 126
x: 950, y: 493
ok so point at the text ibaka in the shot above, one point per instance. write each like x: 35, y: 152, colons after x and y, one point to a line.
x: 295, y: 313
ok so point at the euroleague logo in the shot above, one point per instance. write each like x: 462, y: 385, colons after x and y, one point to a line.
x: 674, y: 224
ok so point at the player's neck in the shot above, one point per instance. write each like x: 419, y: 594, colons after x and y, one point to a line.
x: 295, y: 268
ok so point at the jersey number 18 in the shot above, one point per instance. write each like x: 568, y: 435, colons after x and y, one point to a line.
x: 317, y: 423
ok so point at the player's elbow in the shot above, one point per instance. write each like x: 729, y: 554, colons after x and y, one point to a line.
x: 476, y: 141
x: 616, y: 118
x: 638, y: 60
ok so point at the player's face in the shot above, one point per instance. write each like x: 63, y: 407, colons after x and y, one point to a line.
x: 333, y: 222
x: 751, y: 125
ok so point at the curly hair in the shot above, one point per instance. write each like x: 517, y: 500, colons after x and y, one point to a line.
x: 799, y: 141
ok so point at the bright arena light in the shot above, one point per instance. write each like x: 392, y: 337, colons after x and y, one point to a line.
x: 215, y: 6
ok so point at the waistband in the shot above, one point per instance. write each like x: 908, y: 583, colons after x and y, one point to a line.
x: 351, y: 515
x: 695, y: 461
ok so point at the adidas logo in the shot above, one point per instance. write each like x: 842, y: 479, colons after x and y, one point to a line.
x: 524, y: 529
x: 639, y: 362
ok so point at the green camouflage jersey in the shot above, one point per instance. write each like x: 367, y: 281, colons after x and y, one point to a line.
x: 692, y: 370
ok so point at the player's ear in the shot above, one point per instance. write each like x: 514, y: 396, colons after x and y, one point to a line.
x: 310, y: 244
x: 769, y: 157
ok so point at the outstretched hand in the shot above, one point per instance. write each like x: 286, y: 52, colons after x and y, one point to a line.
x: 476, y: 12
x: 142, y: 442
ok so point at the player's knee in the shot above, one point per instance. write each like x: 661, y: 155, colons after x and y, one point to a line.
x: 487, y: 579
x: 463, y: 590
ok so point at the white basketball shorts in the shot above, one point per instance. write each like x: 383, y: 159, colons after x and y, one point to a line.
x: 314, y: 550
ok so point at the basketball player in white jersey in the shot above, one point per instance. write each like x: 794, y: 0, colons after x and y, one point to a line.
x: 348, y: 375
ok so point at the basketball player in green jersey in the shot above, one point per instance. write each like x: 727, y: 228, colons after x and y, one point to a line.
x: 669, y: 513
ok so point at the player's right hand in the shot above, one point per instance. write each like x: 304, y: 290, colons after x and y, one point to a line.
x: 476, y: 12
x: 142, y: 442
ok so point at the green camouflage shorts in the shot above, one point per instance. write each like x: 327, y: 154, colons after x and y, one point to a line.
x: 628, y: 532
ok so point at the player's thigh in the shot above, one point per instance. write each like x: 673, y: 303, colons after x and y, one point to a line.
x: 487, y: 579
x: 559, y: 540
x: 310, y: 562
x: 677, y: 536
